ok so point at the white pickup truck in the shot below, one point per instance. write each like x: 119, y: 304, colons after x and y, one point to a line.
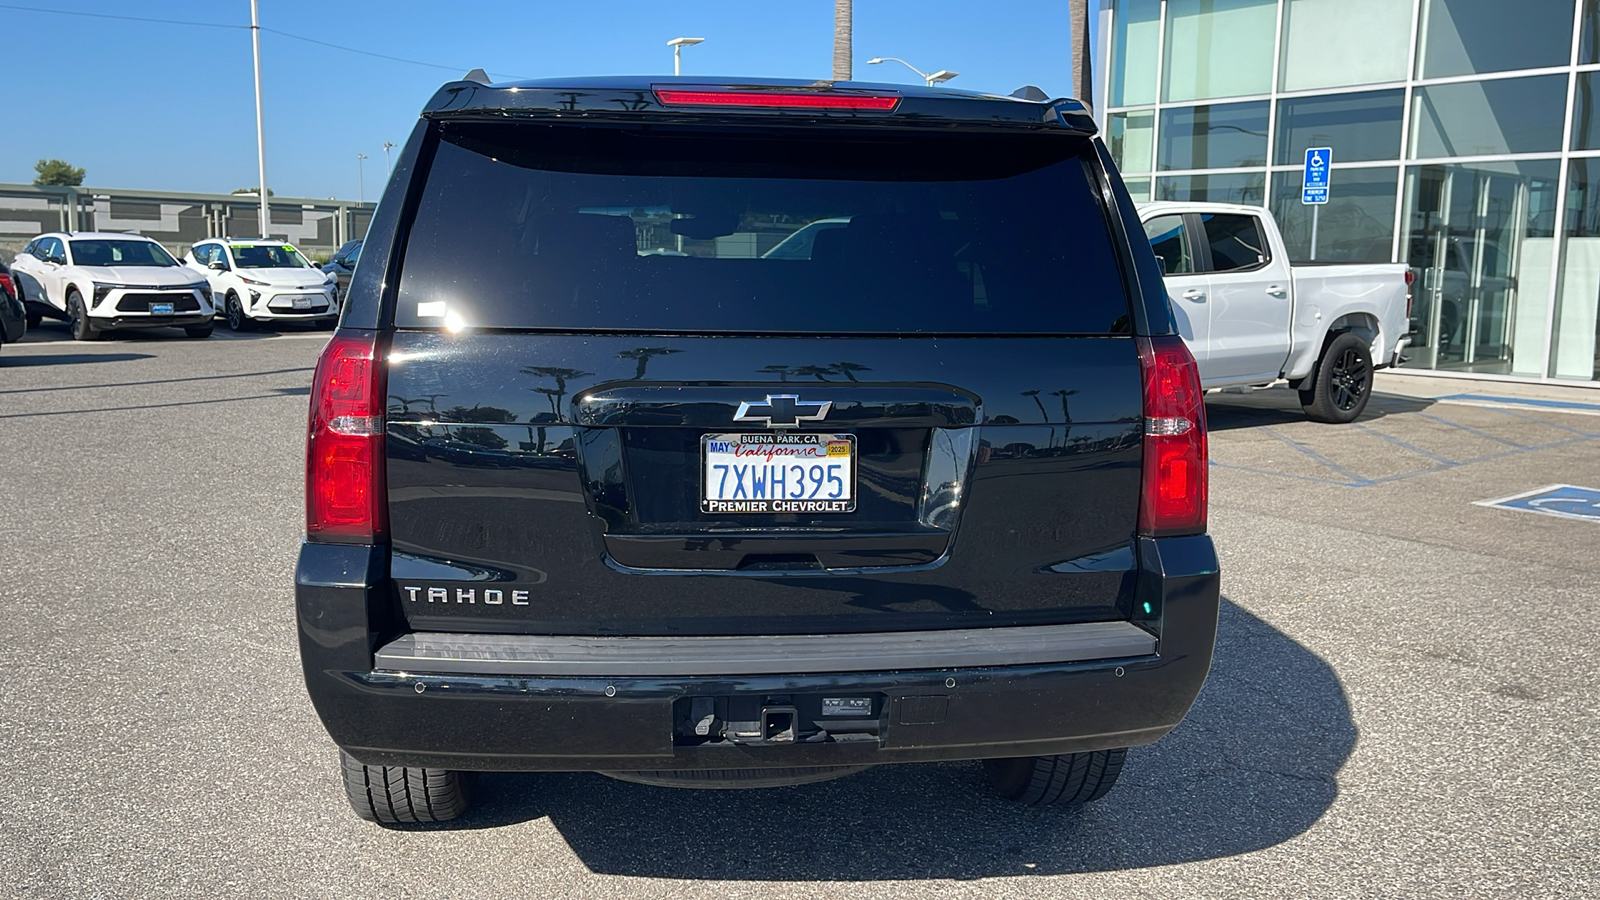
x: 1252, y: 319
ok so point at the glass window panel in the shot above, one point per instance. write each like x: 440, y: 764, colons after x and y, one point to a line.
x: 1224, y: 136
x: 1219, y: 48
x: 1477, y: 118
x: 1585, y: 115
x: 1336, y: 43
x: 1131, y: 140
x: 1170, y: 241
x: 1355, y: 225
x: 1481, y: 237
x: 1239, y: 187
x: 1573, y: 351
x: 1470, y: 37
x: 1138, y: 188
x: 1589, y: 34
x: 1235, y: 240
x: 1357, y: 126
x: 1135, y: 41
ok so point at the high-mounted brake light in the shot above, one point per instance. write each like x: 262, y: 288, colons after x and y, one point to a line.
x: 345, y: 499
x: 778, y: 99
x: 1175, y: 460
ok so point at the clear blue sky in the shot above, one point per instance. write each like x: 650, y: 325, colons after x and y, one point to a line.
x: 170, y: 107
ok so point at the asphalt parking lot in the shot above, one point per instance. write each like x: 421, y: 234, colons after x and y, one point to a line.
x: 1403, y: 701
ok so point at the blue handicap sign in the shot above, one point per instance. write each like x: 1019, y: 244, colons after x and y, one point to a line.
x: 1319, y: 163
x: 1564, y: 500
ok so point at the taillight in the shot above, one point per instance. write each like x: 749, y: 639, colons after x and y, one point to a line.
x: 5, y: 284
x: 345, y: 499
x: 777, y: 99
x: 1411, y: 279
x: 1174, y: 497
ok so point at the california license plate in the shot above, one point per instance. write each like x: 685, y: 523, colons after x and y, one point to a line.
x: 161, y: 309
x: 778, y: 473
x: 302, y: 303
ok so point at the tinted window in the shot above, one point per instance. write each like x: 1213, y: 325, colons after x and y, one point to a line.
x: 262, y: 256
x: 1235, y: 240
x: 50, y: 248
x: 539, y: 226
x: 1170, y: 241
x: 202, y: 253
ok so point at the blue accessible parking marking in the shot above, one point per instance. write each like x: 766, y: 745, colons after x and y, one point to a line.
x: 1565, y: 500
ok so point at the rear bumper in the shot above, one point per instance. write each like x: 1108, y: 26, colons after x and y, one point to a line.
x: 511, y: 720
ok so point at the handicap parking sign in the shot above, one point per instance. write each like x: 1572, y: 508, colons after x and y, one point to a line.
x: 1565, y: 500
x: 1319, y: 162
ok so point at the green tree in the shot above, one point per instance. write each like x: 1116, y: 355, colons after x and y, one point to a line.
x: 56, y: 171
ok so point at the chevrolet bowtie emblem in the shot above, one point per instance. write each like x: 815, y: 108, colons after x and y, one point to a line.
x: 783, y: 411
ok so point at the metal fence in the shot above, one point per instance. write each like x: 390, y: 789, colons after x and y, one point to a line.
x: 176, y: 220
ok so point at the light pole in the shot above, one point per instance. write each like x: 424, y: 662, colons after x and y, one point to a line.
x: 261, y: 135
x: 929, y: 78
x: 387, y: 146
x: 361, y: 177
x: 677, y: 45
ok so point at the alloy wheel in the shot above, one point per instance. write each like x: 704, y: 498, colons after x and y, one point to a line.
x: 1351, y: 378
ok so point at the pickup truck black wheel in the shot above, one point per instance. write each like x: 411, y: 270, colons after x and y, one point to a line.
x: 234, y: 310
x: 78, y: 317
x: 405, y: 795
x: 1069, y: 779
x: 33, y: 319
x: 199, y: 331
x: 1343, y: 381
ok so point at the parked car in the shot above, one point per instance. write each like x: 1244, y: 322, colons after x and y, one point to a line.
x: 1252, y: 319
x: 98, y: 282
x: 13, y: 319
x: 799, y: 516
x: 342, y: 265
x: 263, y: 281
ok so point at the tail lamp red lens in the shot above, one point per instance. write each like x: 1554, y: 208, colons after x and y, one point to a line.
x: 1175, y: 460
x: 345, y: 497
x: 777, y: 99
x: 5, y: 284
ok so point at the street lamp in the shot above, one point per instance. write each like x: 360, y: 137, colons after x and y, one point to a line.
x: 361, y: 177
x: 677, y: 45
x: 387, y: 146
x: 930, y: 78
x: 261, y: 135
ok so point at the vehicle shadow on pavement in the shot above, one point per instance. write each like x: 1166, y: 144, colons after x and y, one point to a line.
x: 13, y: 361
x: 1281, y: 406
x: 1254, y: 765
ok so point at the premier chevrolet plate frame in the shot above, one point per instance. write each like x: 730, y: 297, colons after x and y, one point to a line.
x: 777, y: 472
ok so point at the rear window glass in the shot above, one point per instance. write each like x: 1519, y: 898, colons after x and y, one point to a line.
x: 598, y: 228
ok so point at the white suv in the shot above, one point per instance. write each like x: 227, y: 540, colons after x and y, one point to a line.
x: 263, y: 280
x: 99, y: 282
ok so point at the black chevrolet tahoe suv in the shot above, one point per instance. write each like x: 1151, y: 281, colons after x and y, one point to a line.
x: 734, y: 434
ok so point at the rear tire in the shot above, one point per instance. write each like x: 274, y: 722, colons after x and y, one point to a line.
x: 33, y: 319
x: 405, y: 795
x: 78, y: 318
x: 1343, y: 381
x: 1069, y: 779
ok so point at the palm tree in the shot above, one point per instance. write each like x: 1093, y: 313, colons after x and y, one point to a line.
x: 641, y: 355
x: 1034, y: 396
x: 1082, y: 71
x: 560, y: 390
x: 842, y: 45
x: 781, y: 371
x: 815, y: 371
x: 849, y: 368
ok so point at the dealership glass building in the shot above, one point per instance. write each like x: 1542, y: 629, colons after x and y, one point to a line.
x: 1465, y: 136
